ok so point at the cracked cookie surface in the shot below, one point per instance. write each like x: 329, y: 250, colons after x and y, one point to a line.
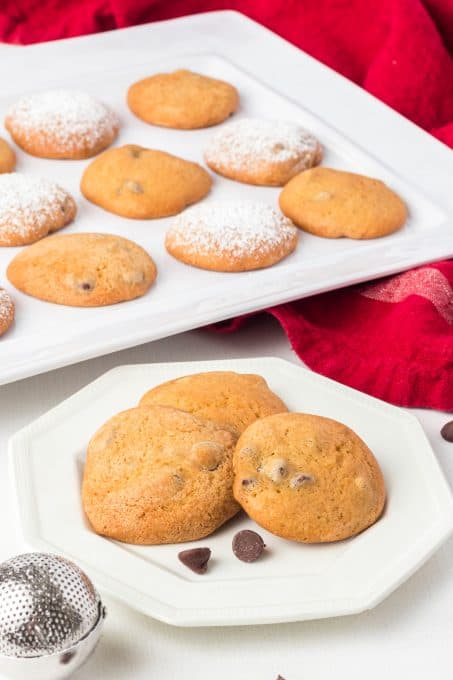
x: 307, y: 478
x: 155, y: 474
x: 83, y: 270
x: 140, y: 183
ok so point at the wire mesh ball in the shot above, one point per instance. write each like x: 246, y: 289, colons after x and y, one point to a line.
x: 47, y: 604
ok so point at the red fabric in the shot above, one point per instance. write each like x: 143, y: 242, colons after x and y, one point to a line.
x: 394, y: 338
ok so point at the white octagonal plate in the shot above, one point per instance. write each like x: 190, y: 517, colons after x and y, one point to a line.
x: 292, y: 582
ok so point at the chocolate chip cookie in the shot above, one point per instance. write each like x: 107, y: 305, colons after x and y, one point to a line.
x: 83, y: 270
x: 61, y: 124
x: 158, y: 475
x: 333, y: 203
x: 182, y: 99
x: 132, y: 181
x: 31, y: 208
x: 231, y: 400
x: 266, y: 152
x: 307, y: 478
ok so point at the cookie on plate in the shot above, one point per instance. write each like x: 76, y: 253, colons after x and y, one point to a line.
x: 231, y: 400
x: 158, y: 475
x: 307, y: 478
x: 132, y: 181
x: 182, y: 99
x: 83, y: 270
x: 231, y: 236
x: 266, y: 152
x: 31, y: 208
x: 61, y: 124
x: 333, y: 203
x: 7, y: 157
x: 6, y: 311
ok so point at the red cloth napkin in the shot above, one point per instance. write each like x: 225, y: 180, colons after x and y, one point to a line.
x: 392, y: 338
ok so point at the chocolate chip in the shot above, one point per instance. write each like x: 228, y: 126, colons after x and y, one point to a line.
x: 248, y: 482
x: 135, y: 153
x: 86, y: 285
x: 247, y: 545
x: 301, y: 480
x: 279, y: 677
x: 196, y: 559
x: 66, y: 657
x: 447, y: 431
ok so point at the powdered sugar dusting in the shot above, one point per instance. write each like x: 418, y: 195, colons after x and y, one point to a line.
x: 240, y: 145
x: 63, y: 115
x: 235, y: 229
x: 27, y: 203
x: 6, y: 308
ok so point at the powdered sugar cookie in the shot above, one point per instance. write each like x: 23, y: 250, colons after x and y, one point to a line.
x: 265, y: 152
x: 31, y: 208
x: 7, y: 157
x: 61, y: 124
x: 6, y: 311
x: 231, y: 236
x: 182, y: 99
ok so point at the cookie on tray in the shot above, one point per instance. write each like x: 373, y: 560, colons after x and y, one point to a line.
x: 333, y: 203
x: 140, y: 183
x: 6, y: 311
x: 31, y: 208
x: 233, y: 236
x: 266, y: 152
x: 7, y: 157
x: 307, y: 478
x: 61, y: 124
x: 231, y: 400
x: 158, y: 475
x: 83, y: 270
x: 182, y: 99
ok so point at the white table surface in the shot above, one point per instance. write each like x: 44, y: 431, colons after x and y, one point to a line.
x: 410, y: 633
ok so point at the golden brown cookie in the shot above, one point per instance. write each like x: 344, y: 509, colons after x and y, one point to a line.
x: 61, y: 124
x: 182, y: 99
x: 7, y: 157
x: 6, y: 311
x: 334, y: 203
x: 158, y: 475
x: 307, y: 478
x: 231, y: 400
x: 31, y: 208
x: 143, y: 183
x: 267, y: 152
x: 232, y: 236
x: 83, y: 270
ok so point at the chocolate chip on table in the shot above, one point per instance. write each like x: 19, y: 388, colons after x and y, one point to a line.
x: 248, y: 546
x: 196, y: 559
x: 66, y: 657
x: 447, y: 431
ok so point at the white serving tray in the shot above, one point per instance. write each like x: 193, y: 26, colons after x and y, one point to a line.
x: 275, y: 80
x: 292, y: 582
